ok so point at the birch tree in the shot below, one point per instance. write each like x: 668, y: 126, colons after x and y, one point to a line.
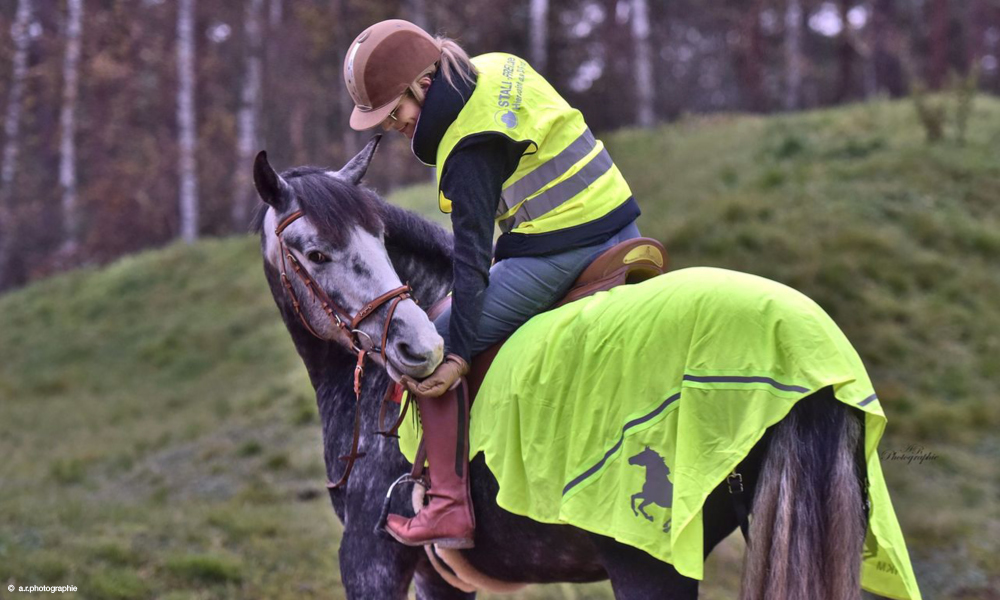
x: 247, y: 138
x: 750, y: 56
x: 67, y: 120
x: 275, y: 13
x: 539, y: 34
x: 887, y: 51
x: 793, y: 54
x: 342, y: 32
x: 866, y: 43
x: 186, y: 122
x: 643, y: 65
x: 939, y: 43
x: 976, y: 23
x: 12, y: 122
x: 845, y: 53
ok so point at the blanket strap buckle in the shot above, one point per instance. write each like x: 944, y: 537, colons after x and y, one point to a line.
x: 737, y: 480
x: 735, y: 483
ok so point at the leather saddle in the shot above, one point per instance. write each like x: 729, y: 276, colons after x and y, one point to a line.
x: 631, y: 261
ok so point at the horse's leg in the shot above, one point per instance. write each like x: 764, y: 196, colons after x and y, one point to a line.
x: 372, y: 566
x: 431, y: 586
x: 636, y: 575
x: 634, y: 496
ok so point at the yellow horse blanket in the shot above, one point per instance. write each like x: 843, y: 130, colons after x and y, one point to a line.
x: 678, y: 378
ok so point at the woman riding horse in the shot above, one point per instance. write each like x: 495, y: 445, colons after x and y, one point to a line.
x: 508, y: 148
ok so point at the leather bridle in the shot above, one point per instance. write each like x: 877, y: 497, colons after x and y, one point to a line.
x: 347, y: 324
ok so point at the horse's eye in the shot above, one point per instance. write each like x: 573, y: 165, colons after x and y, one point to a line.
x: 317, y: 257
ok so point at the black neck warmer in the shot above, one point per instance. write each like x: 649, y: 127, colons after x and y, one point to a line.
x: 441, y: 106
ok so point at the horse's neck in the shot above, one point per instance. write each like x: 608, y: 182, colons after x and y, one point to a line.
x: 429, y: 282
x: 331, y: 372
x: 421, y: 252
x: 330, y: 366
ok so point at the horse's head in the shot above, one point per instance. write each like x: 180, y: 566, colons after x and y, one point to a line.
x: 337, y: 244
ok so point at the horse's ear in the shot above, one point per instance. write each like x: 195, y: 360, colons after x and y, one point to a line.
x: 271, y: 187
x: 356, y: 168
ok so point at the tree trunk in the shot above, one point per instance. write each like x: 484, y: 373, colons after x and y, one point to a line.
x: 887, y: 51
x: 939, y: 43
x: 976, y: 33
x: 845, y: 54
x: 344, y: 37
x: 247, y: 138
x: 793, y: 54
x: 866, y: 41
x: 643, y: 65
x: 751, y: 57
x: 877, y: 32
x: 12, y: 123
x: 275, y: 14
x: 67, y: 145
x: 539, y: 35
x: 271, y: 115
x: 418, y: 14
x: 186, y: 121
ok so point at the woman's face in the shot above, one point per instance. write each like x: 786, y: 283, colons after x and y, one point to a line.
x: 406, y: 114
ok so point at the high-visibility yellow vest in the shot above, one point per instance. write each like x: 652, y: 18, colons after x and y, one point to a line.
x: 565, y: 177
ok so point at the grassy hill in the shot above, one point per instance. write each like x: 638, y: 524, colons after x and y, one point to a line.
x: 159, y: 437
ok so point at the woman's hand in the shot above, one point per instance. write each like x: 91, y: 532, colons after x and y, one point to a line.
x: 441, y: 380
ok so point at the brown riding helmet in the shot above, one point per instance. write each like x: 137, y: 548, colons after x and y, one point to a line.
x: 381, y: 64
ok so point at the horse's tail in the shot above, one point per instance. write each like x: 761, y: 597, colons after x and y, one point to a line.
x: 808, y: 522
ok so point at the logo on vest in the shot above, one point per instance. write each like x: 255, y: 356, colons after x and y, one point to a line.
x: 511, y: 92
x: 506, y: 118
x: 657, y: 489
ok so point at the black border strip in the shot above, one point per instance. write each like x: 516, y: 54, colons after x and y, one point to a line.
x: 868, y: 400
x: 743, y: 379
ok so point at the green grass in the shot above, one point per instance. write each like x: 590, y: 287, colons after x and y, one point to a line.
x: 159, y: 437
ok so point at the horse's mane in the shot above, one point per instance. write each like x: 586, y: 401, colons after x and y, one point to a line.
x: 406, y: 231
x: 334, y: 206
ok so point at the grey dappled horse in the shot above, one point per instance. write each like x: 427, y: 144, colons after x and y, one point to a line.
x: 803, y: 478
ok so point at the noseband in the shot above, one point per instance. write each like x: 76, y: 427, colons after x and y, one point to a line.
x: 344, y: 321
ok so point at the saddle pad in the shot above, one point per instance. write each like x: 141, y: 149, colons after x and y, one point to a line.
x: 621, y: 412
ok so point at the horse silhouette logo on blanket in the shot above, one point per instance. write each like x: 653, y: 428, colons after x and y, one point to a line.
x: 657, y: 489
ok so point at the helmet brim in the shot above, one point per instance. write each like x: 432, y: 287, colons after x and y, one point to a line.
x: 363, y: 120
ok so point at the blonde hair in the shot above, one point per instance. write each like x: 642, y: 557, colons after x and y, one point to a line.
x: 454, y: 63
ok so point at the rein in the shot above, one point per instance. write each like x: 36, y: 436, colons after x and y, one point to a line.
x: 346, y: 323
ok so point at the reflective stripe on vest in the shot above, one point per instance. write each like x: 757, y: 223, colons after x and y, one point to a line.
x: 565, y: 189
x: 548, y: 171
x: 562, y: 161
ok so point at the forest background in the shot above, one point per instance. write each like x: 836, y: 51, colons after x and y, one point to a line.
x: 129, y: 123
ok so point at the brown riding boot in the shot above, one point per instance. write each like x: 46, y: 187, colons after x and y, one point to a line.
x: 447, y: 520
